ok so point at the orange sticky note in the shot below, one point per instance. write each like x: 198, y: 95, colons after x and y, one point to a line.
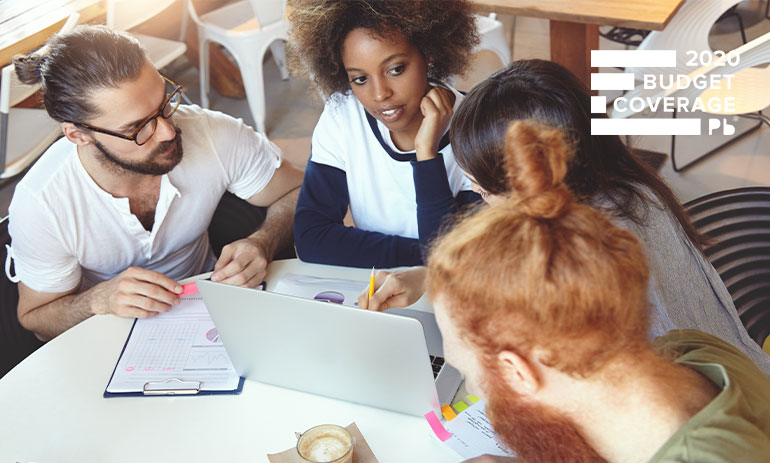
x: 188, y: 289
x: 448, y: 413
x: 442, y: 434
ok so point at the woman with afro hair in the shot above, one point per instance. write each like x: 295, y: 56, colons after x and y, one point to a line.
x: 381, y: 146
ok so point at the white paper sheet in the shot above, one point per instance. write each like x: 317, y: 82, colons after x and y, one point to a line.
x: 335, y: 290
x: 181, y: 343
x: 473, y: 436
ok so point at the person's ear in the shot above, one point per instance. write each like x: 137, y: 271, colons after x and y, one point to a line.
x: 74, y: 134
x: 519, y: 373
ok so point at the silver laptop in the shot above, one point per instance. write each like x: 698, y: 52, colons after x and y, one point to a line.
x: 391, y: 360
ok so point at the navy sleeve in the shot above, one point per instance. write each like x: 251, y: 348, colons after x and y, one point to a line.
x: 321, y: 236
x: 435, y: 202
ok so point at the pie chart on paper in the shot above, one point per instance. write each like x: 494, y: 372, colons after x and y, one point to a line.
x: 330, y: 296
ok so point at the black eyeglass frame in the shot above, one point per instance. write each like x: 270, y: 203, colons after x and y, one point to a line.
x: 154, y: 117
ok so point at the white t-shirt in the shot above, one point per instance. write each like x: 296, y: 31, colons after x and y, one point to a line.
x: 65, y: 228
x: 381, y: 188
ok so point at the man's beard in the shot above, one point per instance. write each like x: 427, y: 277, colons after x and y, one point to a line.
x: 148, y: 166
x: 535, y: 432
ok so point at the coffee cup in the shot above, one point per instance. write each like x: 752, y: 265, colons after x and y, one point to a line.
x: 326, y: 443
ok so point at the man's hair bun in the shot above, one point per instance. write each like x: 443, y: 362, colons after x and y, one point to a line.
x: 536, y: 163
x: 27, y: 68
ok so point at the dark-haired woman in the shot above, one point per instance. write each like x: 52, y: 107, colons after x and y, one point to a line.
x: 381, y: 145
x: 685, y: 290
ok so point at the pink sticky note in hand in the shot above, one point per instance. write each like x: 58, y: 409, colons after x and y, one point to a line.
x: 442, y: 434
x: 188, y: 289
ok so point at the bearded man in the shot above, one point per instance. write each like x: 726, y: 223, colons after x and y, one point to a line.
x: 117, y: 211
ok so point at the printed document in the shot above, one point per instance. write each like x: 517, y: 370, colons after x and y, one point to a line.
x: 181, y: 343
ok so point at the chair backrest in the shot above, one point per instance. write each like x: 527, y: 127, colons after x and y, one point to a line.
x: 746, y: 56
x: 191, y: 13
x: 16, y: 343
x: 268, y: 11
x: 738, y: 223
x: 492, y: 37
x: 123, y: 15
x: 12, y: 91
x: 688, y: 30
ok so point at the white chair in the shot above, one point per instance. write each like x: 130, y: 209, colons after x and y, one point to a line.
x: 25, y: 133
x: 750, y: 86
x: 688, y: 31
x: 246, y: 29
x: 123, y: 15
x: 492, y: 37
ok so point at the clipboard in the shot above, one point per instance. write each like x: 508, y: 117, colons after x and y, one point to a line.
x: 177, y: 353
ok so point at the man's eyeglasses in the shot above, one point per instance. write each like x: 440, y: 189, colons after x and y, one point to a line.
x: 146, y: 129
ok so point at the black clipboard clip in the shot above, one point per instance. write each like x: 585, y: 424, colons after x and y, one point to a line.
x: 172, y: 386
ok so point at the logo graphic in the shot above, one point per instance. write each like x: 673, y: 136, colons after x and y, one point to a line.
x: 706, y: 89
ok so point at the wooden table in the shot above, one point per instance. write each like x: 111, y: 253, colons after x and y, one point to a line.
x: 27, y: 24
x: 575, y: 23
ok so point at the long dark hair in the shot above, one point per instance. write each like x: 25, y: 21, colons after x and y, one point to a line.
x: 550, y: 94
x: 75, y: 64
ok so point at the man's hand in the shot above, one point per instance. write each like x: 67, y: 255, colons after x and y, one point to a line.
x: 437, y: 107
x: 242, y: 263
x: 401, y: 288
x: 135, y: 292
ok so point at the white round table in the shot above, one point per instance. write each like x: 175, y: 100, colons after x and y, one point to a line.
x: 52, y: 409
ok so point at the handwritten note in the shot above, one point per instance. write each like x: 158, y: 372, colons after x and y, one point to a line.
x: 470, y: 434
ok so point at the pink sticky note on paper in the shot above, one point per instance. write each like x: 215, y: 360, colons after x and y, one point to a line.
x: 189, y: 288
x: 442, y: 434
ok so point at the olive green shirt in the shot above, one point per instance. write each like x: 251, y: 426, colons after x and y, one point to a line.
x: 735, y: 426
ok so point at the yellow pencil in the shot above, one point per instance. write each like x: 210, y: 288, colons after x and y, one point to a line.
x: 371, y: 284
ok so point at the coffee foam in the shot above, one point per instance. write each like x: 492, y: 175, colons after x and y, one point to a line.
x: 327, y: 448
x: 324, y: 444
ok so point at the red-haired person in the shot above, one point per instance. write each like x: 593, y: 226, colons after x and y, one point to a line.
x: 542, y: 302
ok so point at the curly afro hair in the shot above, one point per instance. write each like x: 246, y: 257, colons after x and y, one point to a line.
x: 444, y: 30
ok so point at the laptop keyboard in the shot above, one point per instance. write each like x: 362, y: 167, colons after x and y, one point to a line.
x: 436, y: 363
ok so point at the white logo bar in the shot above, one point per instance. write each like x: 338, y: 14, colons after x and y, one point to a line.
x: 599, y: 104
x: 612, y: 81
x: 684, y: 126
x: 633, y: 58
